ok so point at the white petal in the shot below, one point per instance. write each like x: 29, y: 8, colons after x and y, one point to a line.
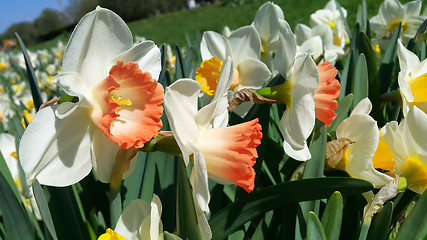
x: 364, y: 107
x: 302, y: 33
x: 245, y: 42
x: 57, y: 151
x: 181, y: 108
x: 300, y: 155
x: 314, y: 45
x: 98, y: 37
x: 252, y: 73
x: 266, y: 22
x: 130, y: 221
x: 214, y: 44
x: 72, y: 84
x: 156, y: 227
x: 298, y: 121
x: 305, y: 73
x: 217, y: 108
x: 104, y: 156
x: 146, y: 54
x: 286, y: 49
x: 363, y: 131
x: 407, y: 59
x: 412, y: 8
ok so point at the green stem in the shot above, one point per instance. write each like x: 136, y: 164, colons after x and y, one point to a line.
x: 115, y: 208
x: 166, y: 144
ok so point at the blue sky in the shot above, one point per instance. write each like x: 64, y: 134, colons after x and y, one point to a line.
x: 14, y: 11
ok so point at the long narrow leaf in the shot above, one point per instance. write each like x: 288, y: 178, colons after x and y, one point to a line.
x: 16, y: 222
x: 314, y: 228
x: 31, y: 76
x: 380, y: 225
x: 332, y: 216
x: 414, y: 226
x: 360, y: 83
x: 235, y: 215
x: 44, y: 208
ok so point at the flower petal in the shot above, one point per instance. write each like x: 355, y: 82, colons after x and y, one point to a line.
x: 266, y: 22
x: 245, y: 42
x: 130, y: 221
x: 138, y: 122
x: 51, y: 146
x: 253, y: 74
x: 98, y: 37
x: 286, y: 49
x: 181, y: 108
x: 146, y: 54
x: 230, y: 152
x: 214, y: 44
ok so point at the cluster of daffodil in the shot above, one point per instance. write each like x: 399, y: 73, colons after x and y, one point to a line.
x: 261, y: 104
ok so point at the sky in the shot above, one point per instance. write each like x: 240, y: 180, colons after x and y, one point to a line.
x: 14, y: 11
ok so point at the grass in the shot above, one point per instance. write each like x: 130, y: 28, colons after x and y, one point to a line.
x: 175, y: 28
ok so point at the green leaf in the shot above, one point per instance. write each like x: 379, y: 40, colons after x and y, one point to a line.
x: 360, y: 83
x: 332, y: 216
x: 387, y: 64
x: 186, y: 220
x: 16, y: 222
x: 180, y: 64
x: 32, y: 79
x: 235, y: 215
x: 44, y: 208
x: 344, y: 106
x: 314, y: 227
x: 345, y: 75
x: 415, y: 224
x: 66, y: 215
x: 380, y: 225
x: 365, y: 47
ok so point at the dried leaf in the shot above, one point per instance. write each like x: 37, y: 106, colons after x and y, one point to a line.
x: 335, y: 150
x: 51, y: 102
x: 386, y: 193
x: 247, y: 95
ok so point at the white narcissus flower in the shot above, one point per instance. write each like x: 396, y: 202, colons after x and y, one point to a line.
x: 302, y: 80
x: 402, y: 149
x: 243, y: 46
x: 118, y: 108
x: 362, y: 130
x: 266, y: 22
x: 139, y: 221
x: 330, y: 15
x: 390, y: 14
x: 412, y: 80
x: 225, y: 154
x: 320, y: 41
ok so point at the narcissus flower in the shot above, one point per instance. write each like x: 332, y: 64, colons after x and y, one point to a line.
x: 225, y: 154
x: 302, y: 80
x: 412, y: 80
x: 402, y: 149
x: 118, y: 110
x: 266, y: 22
x: 391, y: 14
x: 243, y: 46
x: 362, y: 130
x: 139, y: 221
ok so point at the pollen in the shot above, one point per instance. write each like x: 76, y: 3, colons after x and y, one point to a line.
x: 119, y: 100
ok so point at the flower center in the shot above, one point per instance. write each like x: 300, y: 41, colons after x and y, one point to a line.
x: 119, y: 100
x: 393, y: 25
x: 111, y: 235
x: 415, y: 172
x: 332, y: 25
x: 418, y: 87
x: 383, y: 158
x: 208, y: 74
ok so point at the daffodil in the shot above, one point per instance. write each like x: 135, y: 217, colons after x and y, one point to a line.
x: 330, y: 16
x: 266, y: 22
x: 118, y: 107
x: 225, y: 154
x: 302, y: 80
x: 320, y: 41
x: 139, y: 221
x: 402, y: 151
x: 362, y: 132
x: 412, y: 80
x: 243, y: 46
x: 391, y: 14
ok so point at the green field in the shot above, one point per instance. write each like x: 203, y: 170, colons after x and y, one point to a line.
x: 173, y: 28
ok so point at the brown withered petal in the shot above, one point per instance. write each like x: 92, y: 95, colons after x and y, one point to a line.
x: 247, y: 95
x: 335, y: 150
